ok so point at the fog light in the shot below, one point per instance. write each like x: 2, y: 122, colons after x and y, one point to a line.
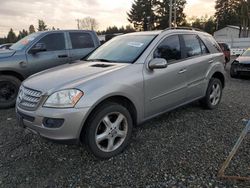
x: 52, y: 122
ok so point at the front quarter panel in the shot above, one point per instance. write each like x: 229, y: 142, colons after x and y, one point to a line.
x: 126, y: 82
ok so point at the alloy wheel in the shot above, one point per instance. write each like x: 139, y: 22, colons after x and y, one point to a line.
x: 111, y: 132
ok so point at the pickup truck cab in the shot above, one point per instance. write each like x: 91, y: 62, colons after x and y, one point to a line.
x: 37, y: 52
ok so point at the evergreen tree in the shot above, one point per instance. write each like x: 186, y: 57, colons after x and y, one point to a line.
x: 22, y: 34
x: 32, y: 29
x: 162, y: 13
x: 42, y: 26
x: 11, y: 37
x: 227, y: 12
x: 142, y: 14
x: 154, y: 14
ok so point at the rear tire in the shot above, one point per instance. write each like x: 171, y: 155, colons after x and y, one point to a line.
x: 9, y: 86
x: 213, y: 94
x: 108, y: 130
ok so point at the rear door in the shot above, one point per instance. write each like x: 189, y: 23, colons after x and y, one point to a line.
x: 55, y: 54
x: 82, y: 44
x: 197, y: 60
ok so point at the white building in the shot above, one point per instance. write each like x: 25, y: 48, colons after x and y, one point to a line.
x: 228, y: 32
x: 230, y: 35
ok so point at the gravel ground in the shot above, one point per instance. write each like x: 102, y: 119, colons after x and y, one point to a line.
x: 183, y: 148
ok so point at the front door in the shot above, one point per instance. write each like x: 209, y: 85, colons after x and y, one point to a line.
x: 55, y: 54
x: 165, y: 88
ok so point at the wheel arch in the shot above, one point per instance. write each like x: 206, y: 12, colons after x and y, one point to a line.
x: 219, y: 76
x: 124, y: 101
x: 12, y: 73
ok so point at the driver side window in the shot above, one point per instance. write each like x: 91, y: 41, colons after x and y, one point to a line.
x: 169, y: 49
x: 54, y: 42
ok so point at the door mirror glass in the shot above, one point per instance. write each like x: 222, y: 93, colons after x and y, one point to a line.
x: 39, y: 47
x: 158, y: 63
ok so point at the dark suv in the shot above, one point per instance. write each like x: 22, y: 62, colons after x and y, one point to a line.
x: 37, y: 52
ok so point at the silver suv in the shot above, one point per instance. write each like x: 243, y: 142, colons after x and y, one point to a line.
x: 128, y: 80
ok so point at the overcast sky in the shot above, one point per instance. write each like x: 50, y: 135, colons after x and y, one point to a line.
x: 19, y: 14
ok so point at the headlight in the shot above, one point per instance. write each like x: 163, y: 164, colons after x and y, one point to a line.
x: 64, y: 99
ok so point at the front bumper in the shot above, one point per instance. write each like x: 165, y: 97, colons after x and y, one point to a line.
x: 69, y: 131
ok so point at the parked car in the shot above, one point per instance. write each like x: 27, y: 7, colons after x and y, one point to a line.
x: 128, y: 80
x: 37, y: 52
x: 227, y: 52
x: 241, y: 66
x: 5, y: 46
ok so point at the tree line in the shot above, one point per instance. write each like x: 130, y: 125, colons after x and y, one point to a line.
x: 154, y: 14
x: 12, y: 37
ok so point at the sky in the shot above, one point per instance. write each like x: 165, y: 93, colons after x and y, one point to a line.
x: 62, y: 14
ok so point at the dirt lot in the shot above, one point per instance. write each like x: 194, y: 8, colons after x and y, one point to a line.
x: 183, y: 148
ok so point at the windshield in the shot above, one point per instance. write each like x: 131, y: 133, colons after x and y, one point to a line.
x: 124, y: 49
x: 21, y: 44
x: 246, y: 53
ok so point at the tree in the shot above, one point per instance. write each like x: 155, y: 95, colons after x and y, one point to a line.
x: 245, y: 18
x: 205, y: 23
x: 227, y: 12
x: 114, y: 29
x: 154, y: 14
x: 42, y: 26
x: 142, y: 15
x: 32, y: 29
x: 87, y: 23
x: 22, y: 34
x: 162, y: 13
x: 11, y: 37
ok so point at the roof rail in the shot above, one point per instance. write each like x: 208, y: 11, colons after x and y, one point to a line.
x: 183, y: 28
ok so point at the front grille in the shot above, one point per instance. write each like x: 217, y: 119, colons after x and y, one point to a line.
x: 246, y: 65
x: 29, y: 98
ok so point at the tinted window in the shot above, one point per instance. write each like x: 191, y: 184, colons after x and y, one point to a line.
x: 169, y: 49
x: 224, y: 47
x: 192, y: 45
x: 213, y: 43
x: 54, y: 41
x: 81, y: 40
x: 203, y: 47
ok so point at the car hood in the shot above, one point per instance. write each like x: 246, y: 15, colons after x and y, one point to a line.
x: 6, y: 53
x: 70, y: 75
x: 243, y: 59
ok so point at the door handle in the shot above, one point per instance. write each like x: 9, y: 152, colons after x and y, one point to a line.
x: 211, y: 61
x: 182, y: 71
x: 62, y: 56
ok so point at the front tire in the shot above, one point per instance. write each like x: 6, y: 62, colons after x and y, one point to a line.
x: 108, y: 130
x: 9, y: 86
x: 233, y: 72
x: 213, y: 94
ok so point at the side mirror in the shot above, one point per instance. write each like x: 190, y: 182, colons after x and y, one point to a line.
x: 39, y: 47
x: 158, y: 63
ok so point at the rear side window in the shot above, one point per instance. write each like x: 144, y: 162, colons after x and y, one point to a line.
x: 213, y: 43
x: 192, y: 45
x: 54, y: 41
x: 204, y: 49
x: 81, y: 40
x: 169, y: 49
